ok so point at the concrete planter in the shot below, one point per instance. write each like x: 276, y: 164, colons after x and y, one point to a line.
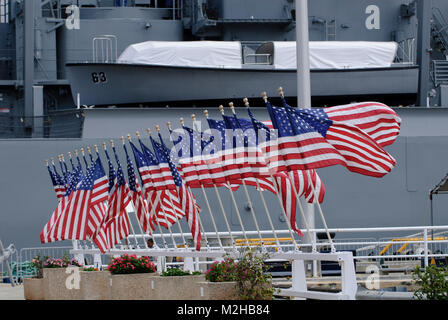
x: 34, y: 289
x: 217, y: 291
x: 60, y: 285
x: 132, y: 286
x: 95, y: 285
x: 175, y: 288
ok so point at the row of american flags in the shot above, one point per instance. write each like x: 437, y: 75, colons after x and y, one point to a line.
x: 279, y: 155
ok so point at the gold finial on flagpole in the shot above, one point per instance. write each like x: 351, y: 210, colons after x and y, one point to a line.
x: 264, y: 95
x: 104, y: 145
x: 69, y: 155
x: 82, y: 152
x: 47, y: 163
x: 181, y: 120
x: 137, y: 134
x: 76, y: 152
x: 96, y: 148
x: 193, y: 117
x: 246, y: 102
x: 157, y: 128
x: 280, y: 91
x: 52, y: 161
x: 122, y: 140
x: 129, y: 136
x: 89, y: 150
x: 112, y: 143
x: 62, y: 158
x: 221, y: 108
x: 232, y: 107
x: 148, y: 131
x: 206, y: 113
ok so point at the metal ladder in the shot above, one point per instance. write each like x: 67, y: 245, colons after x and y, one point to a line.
x: 330, y: 30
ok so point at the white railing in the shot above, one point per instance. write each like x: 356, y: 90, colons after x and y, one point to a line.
x: 430, y: 241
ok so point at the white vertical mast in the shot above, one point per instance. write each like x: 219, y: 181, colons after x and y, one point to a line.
x: 304, y: 83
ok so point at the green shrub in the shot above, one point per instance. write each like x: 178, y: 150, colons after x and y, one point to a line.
x: 175, y: 272
x: 432, y: 282
x: 254, y: 283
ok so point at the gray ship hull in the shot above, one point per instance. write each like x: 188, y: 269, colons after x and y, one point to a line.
x: 118, y: 84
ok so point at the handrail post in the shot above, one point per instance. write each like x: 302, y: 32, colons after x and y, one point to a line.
x: 298, y: 277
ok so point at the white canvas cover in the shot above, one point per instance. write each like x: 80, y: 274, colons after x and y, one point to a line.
x: 337, y: 54
x: 214, y: 54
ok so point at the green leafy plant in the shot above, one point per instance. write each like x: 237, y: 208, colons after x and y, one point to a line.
x: 175, y: 272
x: 127, y: 264
x: 90, y: 269
x: 432, y: 283
x: 223, y: 271
x: 254, y: 283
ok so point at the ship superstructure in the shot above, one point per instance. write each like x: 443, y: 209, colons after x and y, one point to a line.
x: 42, y: 37
x: 40, y: 40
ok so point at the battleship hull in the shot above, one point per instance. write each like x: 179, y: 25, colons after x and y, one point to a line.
x: 104, y: 84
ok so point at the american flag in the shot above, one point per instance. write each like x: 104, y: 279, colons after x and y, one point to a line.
x: 189, y: 151
x: 267, y: 140
x: 282, y: 181
x: 139, y: 201
x: 186, y: 198
x: 48, y: 230
x: 159, y: 198
x: 84, y: 210
x: 379, y: 121
x: 376, y: 119
x: 308, y: 139
x: 115, y: 225
x: 221, y: 152
x: 58, y: 184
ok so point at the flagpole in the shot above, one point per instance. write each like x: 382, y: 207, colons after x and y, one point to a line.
x: 232, y: 107
x: 71, y: 160
x: 112, y: 144
x: 316, y: 200
x: 152, y: 212
x: 304, y: 78
x: 172, y: 204
x: 291, y: 233
x: 246, y: 103
x: 221, y: 108
x: 237, y: 211
x: 193, y: 117
x: 168, y: 224
x: 206, y: 199
x: 198, y: 215
x: 84, y: 157
x: 219, y: 198
x: 133, y: 205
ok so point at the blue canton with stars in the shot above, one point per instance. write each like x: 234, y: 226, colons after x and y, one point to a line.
x: 112, y: 173
x: 75, y: 178
x: 195, y: 142
x: 163, y: 154
x: 221, y: 127
x: 95, y: 172
x: 139, y: 157
x: 151, y: 159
